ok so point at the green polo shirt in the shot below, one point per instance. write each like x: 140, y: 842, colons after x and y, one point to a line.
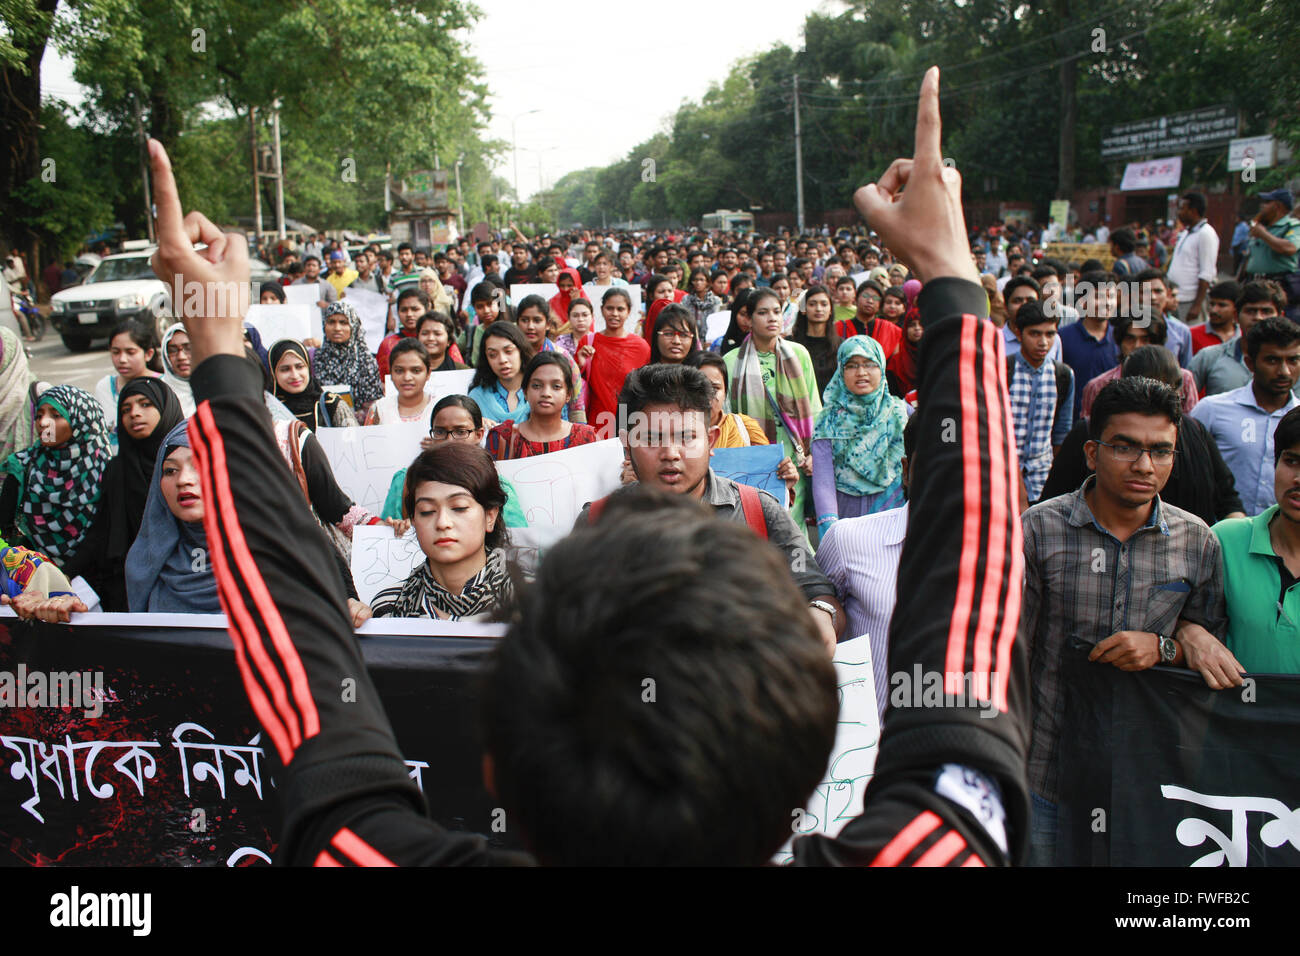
x: 1263, y: 632
x: 1264, y: 261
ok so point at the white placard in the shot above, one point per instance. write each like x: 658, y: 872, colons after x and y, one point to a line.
x: 520, y: 290
x: 715, y: 325
x: 838, y: 798
x: 364, y: 459
x: 553, y: 488
x: 276, y: 322
x: 302, y: 294
x: 373, y: 310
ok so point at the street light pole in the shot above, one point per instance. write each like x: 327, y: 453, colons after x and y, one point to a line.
x: 514, y: 139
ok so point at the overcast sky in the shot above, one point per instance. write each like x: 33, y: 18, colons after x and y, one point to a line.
x: 573, y: 63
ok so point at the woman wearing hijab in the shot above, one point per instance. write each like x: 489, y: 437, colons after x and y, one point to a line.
x: 51, y: 494
x: 147, y: 412
x: 570, y: 286
x: 431, y: 285
x: 271, y: 293
x: 858, y: 442
x: 296, y: 387
x: 455, y: 500
x: 168, y: 568
x: 177, y: 365
x: 773, y: 382
x: 343, y: 359
x: 16, y: 381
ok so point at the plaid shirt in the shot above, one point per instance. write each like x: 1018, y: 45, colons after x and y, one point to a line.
x: 1038, y: 427
x: 1083, y: 585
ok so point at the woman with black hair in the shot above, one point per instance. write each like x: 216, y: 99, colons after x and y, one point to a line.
x: 455, y: 501
x: 549, y: 386
x: 674, y: 335
x: 499, y: 375
x: 738, y: 327
x: 814, y: 330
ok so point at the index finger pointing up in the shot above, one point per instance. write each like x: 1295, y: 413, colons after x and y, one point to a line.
x: 927, y: 151
x: 171, y: 229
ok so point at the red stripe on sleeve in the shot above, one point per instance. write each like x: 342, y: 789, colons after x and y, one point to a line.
x: 358, y: 850
x: 256, y: 585
x: 237, y: 617
x: 942, y: 853
x: 906, y: 840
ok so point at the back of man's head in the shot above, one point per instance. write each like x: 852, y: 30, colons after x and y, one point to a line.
x: 672, y: 709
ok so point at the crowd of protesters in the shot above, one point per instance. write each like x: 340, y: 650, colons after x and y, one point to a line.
x: 1152, y: 404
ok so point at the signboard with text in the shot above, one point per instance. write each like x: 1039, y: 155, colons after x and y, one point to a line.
x: 1175, y: 133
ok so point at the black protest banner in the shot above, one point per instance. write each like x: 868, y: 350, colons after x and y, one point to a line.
x: 1156, y: 769
x: 169, y: 767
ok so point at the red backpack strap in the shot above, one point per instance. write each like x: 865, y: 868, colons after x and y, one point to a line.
x: 595, y: 508
x: 752, y: 505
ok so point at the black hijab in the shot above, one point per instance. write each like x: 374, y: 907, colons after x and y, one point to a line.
x: 126, y: 483
x: 304, y: 404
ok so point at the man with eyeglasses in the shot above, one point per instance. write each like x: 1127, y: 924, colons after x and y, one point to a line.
x: 1112, y: 569
x: 1243, y: 420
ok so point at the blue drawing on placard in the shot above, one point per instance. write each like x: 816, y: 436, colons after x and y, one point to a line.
x: 755, y: 466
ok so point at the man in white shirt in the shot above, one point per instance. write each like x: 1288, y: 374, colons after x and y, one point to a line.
x: 1194, y: 266
x: 860, y: 556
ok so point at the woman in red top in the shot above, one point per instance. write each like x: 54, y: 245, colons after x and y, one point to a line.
x: 605, y: 359
x: 548, y: 386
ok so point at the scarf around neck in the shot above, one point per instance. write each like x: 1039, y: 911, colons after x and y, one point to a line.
x: 419, y: 595
x: 792, y: 391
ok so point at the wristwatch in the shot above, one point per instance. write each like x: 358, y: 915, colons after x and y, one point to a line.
x: 829, y: 609
x: 1168, y: 649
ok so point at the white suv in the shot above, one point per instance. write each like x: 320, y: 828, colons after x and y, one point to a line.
x: 120, y: 287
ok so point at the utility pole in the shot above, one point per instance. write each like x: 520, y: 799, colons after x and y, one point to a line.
x: 144, y: 165
x: 460, y: 203
x: 798, y: 159
x: 279, y: 173
x: 257, y: 178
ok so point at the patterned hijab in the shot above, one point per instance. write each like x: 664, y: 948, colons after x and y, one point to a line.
x: 16, y: 428
x: 866, y: 431
x: 168, y: 568
x: 419, y: 595
x: 59, y: 487
x: 351, y: 363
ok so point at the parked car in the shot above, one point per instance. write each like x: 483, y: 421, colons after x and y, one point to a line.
x: 119, y: 287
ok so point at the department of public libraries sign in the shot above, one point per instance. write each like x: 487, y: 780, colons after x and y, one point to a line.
x: 1177, y: 132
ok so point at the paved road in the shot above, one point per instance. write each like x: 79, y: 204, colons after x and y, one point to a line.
x: 52, y: 362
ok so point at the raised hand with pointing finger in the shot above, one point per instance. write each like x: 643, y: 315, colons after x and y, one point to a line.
x: 209, y: 284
